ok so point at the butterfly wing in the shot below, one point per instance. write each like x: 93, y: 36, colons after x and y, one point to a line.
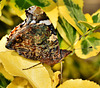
x: 36, y: 39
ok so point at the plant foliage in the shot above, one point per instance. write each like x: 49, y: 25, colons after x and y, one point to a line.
x: 68, y: 18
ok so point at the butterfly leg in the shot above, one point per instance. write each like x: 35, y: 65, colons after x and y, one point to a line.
x: 61, y: 78
x: 31, y: 66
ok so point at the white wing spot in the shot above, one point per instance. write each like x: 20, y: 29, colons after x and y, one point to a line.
x: 47, y: 22
x: 33, y: 21
x: 52, y: 38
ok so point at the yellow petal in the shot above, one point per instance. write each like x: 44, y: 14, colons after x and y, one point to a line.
x: 19, y: 82
x: 57, y: 67
x: 55, y: 79
x: 2, y: 44
x: 37, y: 76
x: 5, y: 73
x: 79, y: 83
x: 13, y: 63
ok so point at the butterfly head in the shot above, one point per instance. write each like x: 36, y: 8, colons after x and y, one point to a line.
x: 35, y: 14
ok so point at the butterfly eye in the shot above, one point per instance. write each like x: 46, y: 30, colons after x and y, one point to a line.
x: 26, y: 11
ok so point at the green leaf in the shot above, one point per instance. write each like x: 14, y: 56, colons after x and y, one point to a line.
x: 88, y: 46
x: 49, y: 6
x: 67, y: 32
x: 96, y: 17
x: 72, y: 13
x: 3, y: 81
x: 28, y: 3
x: 90, y: 25
x: 79, y: 2
x: 62, y: 43
x: 85, y: 44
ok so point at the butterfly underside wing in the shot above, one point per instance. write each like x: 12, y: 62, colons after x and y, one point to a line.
x: 36, y: 38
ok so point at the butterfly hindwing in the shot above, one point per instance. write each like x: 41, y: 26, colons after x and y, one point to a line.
x: 36, y: 38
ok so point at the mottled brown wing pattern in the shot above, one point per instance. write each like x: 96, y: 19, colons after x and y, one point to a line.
x: 36, y: 38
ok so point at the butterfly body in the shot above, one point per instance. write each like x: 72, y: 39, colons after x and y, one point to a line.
x: 36, y: 38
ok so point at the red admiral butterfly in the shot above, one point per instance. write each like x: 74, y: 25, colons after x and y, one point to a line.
x: 36, y: 38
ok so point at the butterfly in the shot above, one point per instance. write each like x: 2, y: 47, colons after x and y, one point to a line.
x: 36, y: 38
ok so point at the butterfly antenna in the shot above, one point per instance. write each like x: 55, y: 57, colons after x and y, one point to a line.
x: 31, y: 66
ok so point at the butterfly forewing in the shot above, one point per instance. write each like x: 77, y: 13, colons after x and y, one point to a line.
x: 36, y: 38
